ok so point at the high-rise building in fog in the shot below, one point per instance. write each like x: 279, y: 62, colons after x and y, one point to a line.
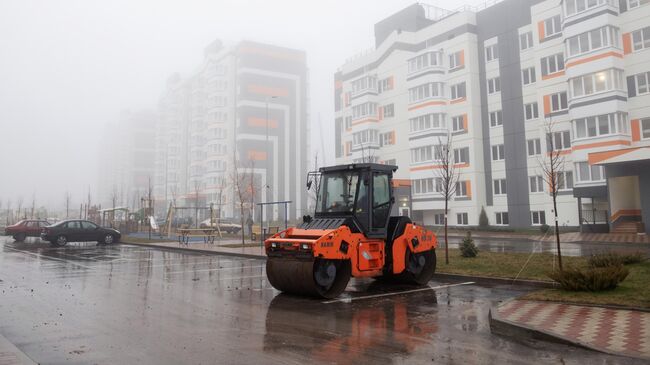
x: 127, y: 159
x: 244, y: 106
x: 494, y: 77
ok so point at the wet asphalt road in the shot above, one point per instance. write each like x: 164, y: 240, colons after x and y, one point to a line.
x: 88, y: 304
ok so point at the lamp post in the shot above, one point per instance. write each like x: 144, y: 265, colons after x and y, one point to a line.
x: 266, y: 174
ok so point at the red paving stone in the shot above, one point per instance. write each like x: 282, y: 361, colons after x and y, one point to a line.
x: 619, y: 331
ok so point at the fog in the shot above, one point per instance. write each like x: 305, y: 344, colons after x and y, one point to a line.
x: 67, y: 68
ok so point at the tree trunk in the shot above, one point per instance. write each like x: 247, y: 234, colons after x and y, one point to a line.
x: 241, y: 218
x: 557, y: 232
x: 446, y: 239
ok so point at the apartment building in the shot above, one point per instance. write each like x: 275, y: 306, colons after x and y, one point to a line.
x: 508, y: 83
x: 244, y: 107
x: 127, y: 159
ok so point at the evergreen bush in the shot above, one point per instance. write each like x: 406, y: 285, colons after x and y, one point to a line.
x: 590, y: 278
x: 483, y: 219
x: 467, y: 247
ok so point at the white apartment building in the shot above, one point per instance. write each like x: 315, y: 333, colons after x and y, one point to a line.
x: 495, y: 78
x: 244, y: 106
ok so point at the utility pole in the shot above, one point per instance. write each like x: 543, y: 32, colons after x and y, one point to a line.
x: 268, y: 154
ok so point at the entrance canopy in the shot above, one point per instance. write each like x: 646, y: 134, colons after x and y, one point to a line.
x: 636, y: 154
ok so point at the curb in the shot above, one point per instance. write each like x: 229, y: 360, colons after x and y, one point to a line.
x: 478, y: 279
x: 520, y: 333
x: 8, y: 349
x: 197, y: 250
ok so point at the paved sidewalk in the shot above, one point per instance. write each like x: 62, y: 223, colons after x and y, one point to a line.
x: 569, y: 237
x: 216, y: 248
x: 11, y: 355
x: 616, y: 331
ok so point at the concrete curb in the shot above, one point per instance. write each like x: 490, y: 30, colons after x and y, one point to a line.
x: 197, y: 250
x: 12, y: 355
x: 478, y: 279
x: 520, y: 333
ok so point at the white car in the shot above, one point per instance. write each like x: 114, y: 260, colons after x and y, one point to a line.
x: 223, y: 226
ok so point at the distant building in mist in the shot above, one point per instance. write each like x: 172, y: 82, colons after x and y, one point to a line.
x: 127, y: 156
x: 244, y: 106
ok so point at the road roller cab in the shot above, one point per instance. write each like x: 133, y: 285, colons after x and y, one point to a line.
x: 351, y: 234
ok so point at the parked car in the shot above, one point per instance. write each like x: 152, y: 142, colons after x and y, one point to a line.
x: 224, y: 225
x: 77, y: 230
x: 26, y: 228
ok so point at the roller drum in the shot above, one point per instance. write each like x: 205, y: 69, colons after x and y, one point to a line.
x: 317, y: 277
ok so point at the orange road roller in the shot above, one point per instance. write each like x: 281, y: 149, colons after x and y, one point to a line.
x: 350, y: 234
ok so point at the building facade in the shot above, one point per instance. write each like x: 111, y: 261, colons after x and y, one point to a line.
x: 508, y: 83
x: 241, y: 113
x: 127, y: 155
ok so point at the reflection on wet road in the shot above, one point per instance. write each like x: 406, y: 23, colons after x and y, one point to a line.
x: 87, y: 304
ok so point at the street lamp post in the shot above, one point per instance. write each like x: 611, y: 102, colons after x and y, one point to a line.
x: 266, y: 173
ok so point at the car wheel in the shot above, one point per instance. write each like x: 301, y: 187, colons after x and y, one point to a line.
x: 108, y: 239
x: 61, y: 240
x: 20, y: 237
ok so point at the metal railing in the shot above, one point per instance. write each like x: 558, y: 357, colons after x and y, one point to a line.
x: 595, y: 216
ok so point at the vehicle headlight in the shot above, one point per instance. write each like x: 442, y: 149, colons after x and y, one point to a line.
x: 305, y: 246
x: 274, y: 245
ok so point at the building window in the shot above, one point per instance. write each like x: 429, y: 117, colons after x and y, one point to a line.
x: 645, y: 128
x: 559, y: 102
x: 587, y: 173
x: 364, y: 110
x: 422, y: 154
x: 426, y: 91
x: 538, y: 217
x: 536, y: 184
x: 502, y: 218
x: 494, y: 85
x: 392, y: 162
x: 389, y: 110
x: 525, y: 41
x: 427, y: 121
x: 552, y: 64
x: 597, y: 82
x: 348, y: 122
x: 534, y: 147
x: 631, y: 4
x: 386, y: 138
x: 499, y: 186
x: 458, y: 91
x: 457, y: 123
x: 491, y: 53
x: 553, y: 26
x: 572, y: 7
x: 439, y: 219
x: 424, y: 61
x: 368, y: 136
x: 642, y: 83
x: 600, y: 125
x: 641, y: 39
x: 427, y: 186
x: 592, y: 40
x: 565, y: 180
x: 461, y: 189
x: 496, y: 118
x: 558, y: 141
x: 531, y: 111
x: 461, y: 219
x: 498, y: 152
x: 366, y: 83
x: 385, y: 84
x: 528, y: 76
x: 455, y: 60
x: 461, y: 155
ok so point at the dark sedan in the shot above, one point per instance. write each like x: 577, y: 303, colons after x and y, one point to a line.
x: 79, y: 231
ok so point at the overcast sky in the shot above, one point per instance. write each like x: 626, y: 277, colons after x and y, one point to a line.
x: 69, y: 67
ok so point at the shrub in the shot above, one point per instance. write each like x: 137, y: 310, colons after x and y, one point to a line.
x: 467, y: 247
x: 615, y: 259
x: 483, y: 219
x: 544, y: 228
x: 591, y: 278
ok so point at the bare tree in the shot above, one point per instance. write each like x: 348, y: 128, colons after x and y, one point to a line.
x: 552, y: 166
x: 197, y: 189
x: 19, y: 202
x: 31, y: 212
x: 9, y: 215
x: 114, y: 197
x: 240, y: 187
x: 315, y: 182
x: 446, y: 177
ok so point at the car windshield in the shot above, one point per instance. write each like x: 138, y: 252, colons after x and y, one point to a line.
x: 337, y: 192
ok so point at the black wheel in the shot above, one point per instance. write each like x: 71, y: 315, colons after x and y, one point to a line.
x: 108, y: 239
x: 61, y: 240
x: 20, y: 237
x: 420, y: 267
